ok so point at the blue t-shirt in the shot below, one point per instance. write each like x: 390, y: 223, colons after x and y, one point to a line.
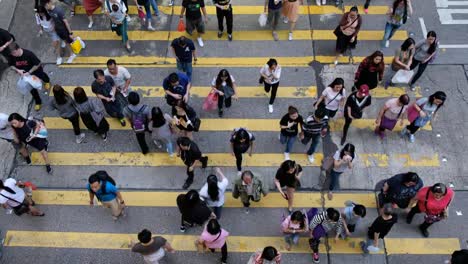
x: 184, y: 54
x: 109, y: 195
x: 181, y: 88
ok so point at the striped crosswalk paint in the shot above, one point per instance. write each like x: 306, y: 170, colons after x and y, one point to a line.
x: 224, y: 159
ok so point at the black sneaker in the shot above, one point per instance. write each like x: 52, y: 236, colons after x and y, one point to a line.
x: 204, y: 162
x: 48, y: 169
x: 220, y: 34
x: 424, y: 232
x: 182, y: 229
x: 409, y: 220
x: 28, y: 160
x: 343, y: 140
x: 186, y: 185
x: 220, y: 113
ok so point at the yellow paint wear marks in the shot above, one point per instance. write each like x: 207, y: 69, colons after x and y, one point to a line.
x: 202, y: 91
x: 255, y: 10
x: 228, y: 124
x: 381, y: 92
x: 345, y: 59
x: 168, y: 199
x: 363, y: 35
x: 239, y: 244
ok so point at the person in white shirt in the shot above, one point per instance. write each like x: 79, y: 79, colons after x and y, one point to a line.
x: 332, y: 98
x: 270, y: 77
x: 213, y: 192
x: 117, y: 11
x: 46, y: 24
x: 120, y: 75
x: 13, y: 197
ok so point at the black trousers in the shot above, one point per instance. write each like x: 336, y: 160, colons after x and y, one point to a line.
x: 415, y: 210
x: 225, y: 101
x: 36, y: 96
x: 224, y: 252
x: 221, y: 14
x: 191, y: 174
x: 39, y: 73
x: 273, y: 88
x: 366, y: 5
x: 412, y: 128
x: 75, y: 120
x: 247, y: 204
x: 238, y: 154
x: 142, y: 142
x: 346, y: 125
x: 421, y: 69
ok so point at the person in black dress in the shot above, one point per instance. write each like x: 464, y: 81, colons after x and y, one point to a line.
x: 288, y: 175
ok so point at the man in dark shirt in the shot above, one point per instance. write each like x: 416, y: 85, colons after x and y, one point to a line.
x: 177, y: 86
x: 274, y: 13
x: 193, y: 17
x: 105, y: 89
x: 379, y: 229
x: 224, y: 10
x: 184, y: 50
x: 6, y: 38
x: 191, y: 156
x: 400, y: 189
x: 314, y: 128
x: 354, y: 106
x: 289, y: 125
x: 152, y: 248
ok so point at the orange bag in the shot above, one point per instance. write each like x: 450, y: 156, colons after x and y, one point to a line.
x: 181, y: 26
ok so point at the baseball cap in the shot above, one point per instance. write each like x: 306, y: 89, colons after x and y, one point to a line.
x: 363, y: 90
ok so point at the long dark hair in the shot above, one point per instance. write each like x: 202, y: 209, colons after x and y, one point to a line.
x: 213, y: 227
x: 287, y: 165
x: 80, y: 95
x: 17, y: 117
x: 433, y: 46
x: 213, y: 190
x: 269, y: 253
x: 158, y: 117
x: 337, y: 81
x: 405, y: 13
x: 223, y: 73
x: 437, y: 95
x: 298, y: 216
x: 370, y: 59
x: 407, y: 43
x: 60, y: 95
x: 3, y: 187
x: 241, y: 134
x: 42, y: 10
x: 348, y: 148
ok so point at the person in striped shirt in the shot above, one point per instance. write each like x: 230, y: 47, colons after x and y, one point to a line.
x: 322, y: 223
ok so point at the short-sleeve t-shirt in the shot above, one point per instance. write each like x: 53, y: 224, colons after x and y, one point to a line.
x: 24, y: 132
x: 400, y: 192
x: 428, y: 108
x: 121, y: 77
x: 222, y: 185
x: 332, y: 98
x: 58, y: 15
x: 184, y: 54
x: 241, y: 146
x: 213, y: 82
x: 192, y: 8
x: 344, y: 166
x: 181, y: 88
x: 109, y: 195
x: 18, y: 196
x: 357, y: 104
x: 274, y: 4
x: 294, y: 129
x: 24, y: 62
x: 105, y: 88
x: 158, y: 243
x: 434, y: 206
x: 118, y: 15
x: 288, y: 224
x: 214, y: 241
x: 394, y: 109
x: 288, y: 179
x: 381, y: 226
x: 350, y: 217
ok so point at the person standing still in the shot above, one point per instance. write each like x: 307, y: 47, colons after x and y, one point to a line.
x: 270, y: 75
x: 184, y: 49
x: 224, y: 10
x: 274, y: 13
x: 193, y: 17
x: 138, y: 115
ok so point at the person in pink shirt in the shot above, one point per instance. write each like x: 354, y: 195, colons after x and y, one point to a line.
x: 433, y: 201
x: 292, y: 227
x: 213, y: 237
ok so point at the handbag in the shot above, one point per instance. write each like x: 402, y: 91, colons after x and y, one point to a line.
x: 211, y: 102
x: 262, y: 19
x: 20, y: 209
x: 77, y: 45
x: 181, y: 26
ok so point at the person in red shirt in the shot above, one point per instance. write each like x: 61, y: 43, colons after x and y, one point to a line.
x: 433, y: 201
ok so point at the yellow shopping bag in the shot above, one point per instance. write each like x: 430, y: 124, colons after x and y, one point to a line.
x: 77, y: 45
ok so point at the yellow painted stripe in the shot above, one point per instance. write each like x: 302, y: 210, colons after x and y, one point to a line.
x: 256, y: 10
x: 224, y: 159
x: 251, y: 35
x: 228, y: 124
x: 239, y: 244
x: 202, y: 91
x: 168, y: 199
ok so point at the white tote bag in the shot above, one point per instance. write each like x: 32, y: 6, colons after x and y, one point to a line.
x: 402, y: 76
x: 34, y: 81
x: 262, y: 19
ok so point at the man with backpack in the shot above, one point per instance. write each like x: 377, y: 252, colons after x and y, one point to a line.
x: 101, y: 185
x: 314, y: 128
x: 138, y: 115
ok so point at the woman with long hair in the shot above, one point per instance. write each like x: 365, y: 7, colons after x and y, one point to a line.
x: 268, y: 255
x: 213, y: 192
x: 389, y: 114
x: 402, y: 61
x: 332, y: 98
x: 241, y: 141
x: 342, y: 161
x: 370, y: 71
x: 183, y: 118
x: 426, y: 51
x: 161, y: 133
x: 13, y: 196
x: 225, y: 86
x: 347, y: 31
x: 292, y: 226
x: 270, y: 75
x: 66, y: 107
x: 288, y: 175
x: 46, y: 24
x: 397, y: 13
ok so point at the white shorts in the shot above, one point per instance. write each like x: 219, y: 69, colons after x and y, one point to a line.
x: 155, y: 257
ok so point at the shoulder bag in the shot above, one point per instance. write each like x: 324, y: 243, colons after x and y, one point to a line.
x: 20, y: 209
x: 430, y: 218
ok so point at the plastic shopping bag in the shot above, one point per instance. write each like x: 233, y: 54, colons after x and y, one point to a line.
x: 181, y: 26
x: 77, y: 45
x: 262, y: 19
x: 402, y: 76
x: 23, y: 86
x: 211, y: 102
x: 32, y: 80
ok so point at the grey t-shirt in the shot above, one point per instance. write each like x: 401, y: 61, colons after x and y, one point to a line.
x: 421, y: 50
x: 158, y: 242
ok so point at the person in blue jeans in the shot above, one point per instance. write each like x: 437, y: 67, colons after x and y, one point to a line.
x: 154, y: 5
x: 397, y: 15
x: 314, y: 128
x: 289, y: 125
x: 343, y: 160
x: 184, y: 50
x: 145, y: 21
x: 292, y: 226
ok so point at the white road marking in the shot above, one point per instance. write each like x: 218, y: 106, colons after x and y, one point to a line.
x: 446, y: 18
x: 423, y: 27
x: 446, y: 3
x: 446, y: 46
x: 459, y: 213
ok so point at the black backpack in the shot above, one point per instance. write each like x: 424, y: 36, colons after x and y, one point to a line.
x: 104, y: 178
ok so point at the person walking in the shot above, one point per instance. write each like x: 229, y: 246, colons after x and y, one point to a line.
x: 459, y: 257
x: 332, y: 98
x: 314, y: 128
x: 154, y: 5
x: 193, y: 210
x: 370, y: 71
x: 425, y: 53
x: 379, y: 229
x: 225, y: 86
x: 249, y: 188
x: 91, y: 112
x: 213, y: 191
x: 6, y: 131
x: 397, y: 14
x: 105, y: 89
x: 290, y: 13
x: 241, y: 141
x: 193, y: 17
x: 289, y: 125
x: 191, y: 155
x: 184, y: 50
x: 116, y: 10
x: 288, y: 175
x: 400, y: 189
x: 224, y: 10
x: 138, y: 115
x: 153, y: 248
x: 269, y: 255
x: 184, y: 118
x: 342, y: 161
x: 13, y: 197
x: 292, y: 227
x: 354, y: 107
x: 160, y: 128
x: 122, y: 78
x: 401, y: 61
x: 6, y: 38
x: 90, y: 6
x: 320, y: 223
x: 30, y: 132
x: 103, y: 187
x: 214, y: 237
x: 270, y: 75
x: 46, y: 24
x: 66, y: 107
x: 434, y: 202
x: 274, y: 12
x: 145, y: 20
x: 177, y: 86
x: 25, y: 63
x: 389, y: 114
x: 347, y: 32
x: 422, y: 111
x: 352, y: 214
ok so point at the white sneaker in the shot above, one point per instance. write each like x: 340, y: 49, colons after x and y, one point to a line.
x: 63, y: 44
x: 59, y: 60
x: 387, y: 43
x: 311, y: 158
x: 290, y: 36
x: 324, y: 2
x: 90, y: 25
x: 71, y: 58
x: 200, y: 42
x: 286, y: 156
x: 270, y: 109
x: 336, y: 62
x: 150, y: 27
x: 239, y: 173
x: 285, y: 20
x: 80, y: 138
x: 129, y: 18
x: 318, y: 2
